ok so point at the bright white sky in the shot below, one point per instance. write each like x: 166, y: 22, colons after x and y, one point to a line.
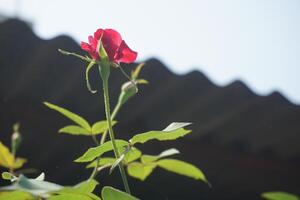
x: 257, y: 41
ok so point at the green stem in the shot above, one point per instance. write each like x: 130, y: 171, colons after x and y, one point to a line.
x: 104, y: 71
x: 104, y: 136
x: 113, y: 115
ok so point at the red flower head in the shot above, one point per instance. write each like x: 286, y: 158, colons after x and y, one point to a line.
x: 116, y: 48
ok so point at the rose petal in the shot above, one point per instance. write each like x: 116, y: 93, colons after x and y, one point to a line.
x: 85, y: 46
x: 98, y: 34
x: 111, y: 41
x: 125, y: 54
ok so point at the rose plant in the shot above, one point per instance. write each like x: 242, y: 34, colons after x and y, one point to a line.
x: 105, y: 49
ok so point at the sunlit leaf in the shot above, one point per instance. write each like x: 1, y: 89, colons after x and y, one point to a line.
x: 83, y: 190
x: 171, y: 132
x: 72, y: 116
x: 132, y: 155
x: 103, y: 161
x: 33, y: 186
x: 86, y: 186
x: 6, y: 158
x: 182, y: 168
x: 278, y: 195
x: 16, y: 195
x: 110, y: 193
x: 74, y: 130
x: 70, y: 196
x: 151, y: 158
x: 176, y: 125
x: 101, y: 127
x: 95, y: 152
x: 41, y: 177
x: 140, y: 170
x: 19, y: 162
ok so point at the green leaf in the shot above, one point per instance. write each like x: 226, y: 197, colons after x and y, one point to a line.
x: 176, y: 125
x: 83, y: 190
x: 8, y: 160
x: 8, y: 176
x: 16, y: 195
x: 72, y: 116
x: 151, y: 158
x: 103, y: 161
x: 171, y: 132
x: 132, y: 155
x: 278, y: 195
x: 86, y: 186
x: 74, y: 130
x: 140, y: 170
x: 33, y: 186
x: 182, y: 168
x: 101, y: 127
x: 19, y: 162
x: 110, y: 193
x: 95, y: 152
x: 70, y: 196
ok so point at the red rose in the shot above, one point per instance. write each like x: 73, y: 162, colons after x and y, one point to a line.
x: 116, y: 48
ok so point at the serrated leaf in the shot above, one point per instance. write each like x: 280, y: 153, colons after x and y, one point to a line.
x: 72, y: 116
x: 110, y: 193
x: 140, y: 170
x: 279, y: 195
x: 182, y: 168
x: 16, y: 195
x: 152, y: 158
x: 171, y: 132
x: 95, y: 152
x: 74, y: 130
x: 103, y: 161
x: 101, y: 127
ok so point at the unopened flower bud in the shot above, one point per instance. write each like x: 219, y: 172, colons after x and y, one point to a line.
x: 128, y: 89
